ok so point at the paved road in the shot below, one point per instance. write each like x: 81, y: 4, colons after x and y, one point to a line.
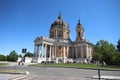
x: 59, y: 73
x: 52, y: 71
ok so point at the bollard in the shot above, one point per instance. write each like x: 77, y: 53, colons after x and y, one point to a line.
x: 27, y: 73
x: 99, y: 74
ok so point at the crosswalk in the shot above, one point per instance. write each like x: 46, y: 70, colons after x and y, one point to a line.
x: 41, y: 77
x: 22, y: 77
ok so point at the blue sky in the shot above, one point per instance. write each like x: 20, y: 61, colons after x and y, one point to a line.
x: 21, y: 21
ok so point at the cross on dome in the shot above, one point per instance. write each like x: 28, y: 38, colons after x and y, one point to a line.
x: 59, y: 16
x: 79, y: 22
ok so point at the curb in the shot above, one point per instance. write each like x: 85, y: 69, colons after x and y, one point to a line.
x: 78, y: 68
x: 14, y: 72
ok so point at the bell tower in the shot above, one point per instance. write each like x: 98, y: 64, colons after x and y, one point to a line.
x: 79, y: 32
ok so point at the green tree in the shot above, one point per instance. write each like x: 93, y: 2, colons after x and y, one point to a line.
x: 20, y: 55
x: 118, y: 45
x: 104, y: 52
x: 13, y: 56
x: 116, y: 58
x: 29, y: 54
x: 96, y: 51
x: 2, y: 57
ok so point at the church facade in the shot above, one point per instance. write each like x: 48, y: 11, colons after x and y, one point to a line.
x: 59, y: 48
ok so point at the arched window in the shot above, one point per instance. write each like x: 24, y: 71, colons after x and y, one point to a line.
x: 59, y: 34
x: 51, y: 34
x: 78, y: 33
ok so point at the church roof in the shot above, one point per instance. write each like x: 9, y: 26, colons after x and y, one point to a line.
x: 59, y: 23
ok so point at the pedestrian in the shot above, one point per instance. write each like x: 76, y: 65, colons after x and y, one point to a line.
x: 22, y: 63
x: 19, y: 63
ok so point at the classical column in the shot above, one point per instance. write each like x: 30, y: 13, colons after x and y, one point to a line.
x: 37, y: 55
x: 50, y: 53
x: 76, y: 51
x: 41, y: 50
x: 63, y: 51
x: 46, y: 52
x: 90, y: 52
x: 55, y: 51
x: 35, y: 50
x: 86, y: 51
x: 67, y: 52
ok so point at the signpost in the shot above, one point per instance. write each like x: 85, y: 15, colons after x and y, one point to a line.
x: 24, y: 50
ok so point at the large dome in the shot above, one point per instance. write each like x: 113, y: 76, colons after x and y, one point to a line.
x: 59, y: 23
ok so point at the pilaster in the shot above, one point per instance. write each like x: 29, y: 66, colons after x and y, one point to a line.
x: 64, y: 54
x: 76, y: 52
x: 82, y: 52
x: 55, y: 51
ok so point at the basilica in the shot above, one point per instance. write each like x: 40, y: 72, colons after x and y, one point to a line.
x: 59, y: 48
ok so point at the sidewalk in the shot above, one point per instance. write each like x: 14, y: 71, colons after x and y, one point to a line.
x: 107, y: 77
x: 8, y: 71
x: 42, y: 77
x: 15, y: 63
x: 7, y: 76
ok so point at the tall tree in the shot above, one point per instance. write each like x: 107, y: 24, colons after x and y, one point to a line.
x: 104, y: 52
x: 118, y: 45
x: 2, y: 57
x: 29, y: 54
x: 13, y: 56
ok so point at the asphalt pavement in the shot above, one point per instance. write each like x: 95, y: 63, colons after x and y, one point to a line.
x: 53, y: 73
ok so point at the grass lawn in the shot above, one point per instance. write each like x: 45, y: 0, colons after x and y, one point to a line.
x: 76, y: 65
x: 2, y: 64
x: 12, y: 71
